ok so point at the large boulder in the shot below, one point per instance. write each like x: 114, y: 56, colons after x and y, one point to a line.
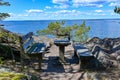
x: 109, y: 50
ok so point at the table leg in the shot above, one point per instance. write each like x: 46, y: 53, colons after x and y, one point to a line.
x: 61, y: 53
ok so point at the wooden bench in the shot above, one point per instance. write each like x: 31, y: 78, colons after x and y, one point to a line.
x: 83, y: 54
x: 31, y: 49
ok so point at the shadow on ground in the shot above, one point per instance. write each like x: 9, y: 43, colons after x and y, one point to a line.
x: 55, y: 65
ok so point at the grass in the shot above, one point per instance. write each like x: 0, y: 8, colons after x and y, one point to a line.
x: 12, y: 76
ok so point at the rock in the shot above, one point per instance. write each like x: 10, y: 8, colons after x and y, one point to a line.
x: 106, y: 42
x: 106, y: 50
x: 5, y: 69
x: 43, y: 39
x: 118, y: 58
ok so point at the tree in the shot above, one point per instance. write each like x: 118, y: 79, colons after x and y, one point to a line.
x: 81, y: 33
x: 4, y: 15
x: 4, y: 34
x: 117, y: 9
x: 57, y: 29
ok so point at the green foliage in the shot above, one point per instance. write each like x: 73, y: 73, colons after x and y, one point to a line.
x: 53, y: 28
x: 7, y: 36
x: 5, y: 51
x: 33, y: 77
x: 117, y: 9
x: 81, y: 33
x: 12, y: 76
x: 57, y: 28
x: 4, y: 15
x: 67, y: 29
x: 1, y: 61
x: 4, y: 3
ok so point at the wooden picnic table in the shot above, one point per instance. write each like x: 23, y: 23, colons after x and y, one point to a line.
x: 61, y: 44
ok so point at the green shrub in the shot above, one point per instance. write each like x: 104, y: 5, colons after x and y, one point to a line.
x: 1, y: 61
x: 12, y: 76
x: 81, y: 33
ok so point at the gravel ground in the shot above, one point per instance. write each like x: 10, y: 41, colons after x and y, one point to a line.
x: 53, y: 69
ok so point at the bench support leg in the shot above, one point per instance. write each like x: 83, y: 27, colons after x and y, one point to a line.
x: 75, y: 54
x: 39, y: 61
x: 80, y: 64
x: 61, y: 53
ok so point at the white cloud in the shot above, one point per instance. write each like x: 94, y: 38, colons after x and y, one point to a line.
x: 113, y: 14
x: 62, y: 14
x: 98, y: 11
x: 21, y: 15
x: 60, y: 1
x: 63, y: 6
x: 47, y: 7
x: 64, y: 11
x: 114, y: 4
x: 67, y: 12
x: 93, y: 3
x: 84, y: 1
x: 100, y: 5
x: 34, y: 11
x: 11, y: 14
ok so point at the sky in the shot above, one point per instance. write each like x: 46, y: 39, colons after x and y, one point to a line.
x: 60, y: 9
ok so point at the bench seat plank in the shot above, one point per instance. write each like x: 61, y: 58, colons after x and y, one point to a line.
x: 83, y: 54
x: 29, y: 50
x: 78, y: 46
x: 37, y: 48
x: 28, y: 43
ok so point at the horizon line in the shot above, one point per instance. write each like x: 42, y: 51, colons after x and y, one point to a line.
x: 62, y: 19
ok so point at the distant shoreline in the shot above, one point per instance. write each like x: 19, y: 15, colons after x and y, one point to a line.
x: 65, y: 19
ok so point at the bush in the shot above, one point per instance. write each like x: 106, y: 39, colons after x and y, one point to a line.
x: 81, y: 33
x: 12, y: 76
x: 78, y: 32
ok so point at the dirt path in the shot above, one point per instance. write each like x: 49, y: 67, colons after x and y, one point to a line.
x: 54, y: 70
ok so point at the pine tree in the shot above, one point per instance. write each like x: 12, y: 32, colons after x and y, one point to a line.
x: 4, y: 15
x: 78, y: 32
x: 81, y: 33
x: 117, y: 10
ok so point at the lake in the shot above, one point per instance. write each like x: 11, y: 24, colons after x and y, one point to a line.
x: 99, y: 27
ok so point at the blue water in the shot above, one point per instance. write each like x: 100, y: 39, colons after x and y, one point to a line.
x: 99, y: 27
